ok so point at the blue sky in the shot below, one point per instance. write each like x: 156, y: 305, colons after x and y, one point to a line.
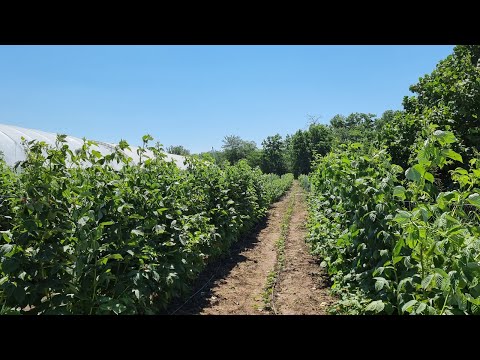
x: 196, y: 95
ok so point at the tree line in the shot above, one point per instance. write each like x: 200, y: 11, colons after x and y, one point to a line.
x: 449, y: 97
x: 296, y: 152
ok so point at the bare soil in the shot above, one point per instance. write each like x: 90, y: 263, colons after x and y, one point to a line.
x: 302, y: 285
x: 234, y: 285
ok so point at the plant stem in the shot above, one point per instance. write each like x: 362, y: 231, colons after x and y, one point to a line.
x: 445, y: 303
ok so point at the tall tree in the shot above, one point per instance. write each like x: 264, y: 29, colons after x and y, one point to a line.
x: 320, y: 139
x: 273, y: 156
x: 254, y: 158
x: 299, y: 154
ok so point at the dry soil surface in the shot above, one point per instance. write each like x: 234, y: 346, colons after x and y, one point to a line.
x: 234, y: 285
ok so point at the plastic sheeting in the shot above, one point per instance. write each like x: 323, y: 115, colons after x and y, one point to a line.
x: 13, y: 151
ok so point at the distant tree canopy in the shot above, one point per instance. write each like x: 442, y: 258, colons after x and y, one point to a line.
x: 320, y: 139
x: 235, y: 148
x: 355, y: 127
x: 178, y: 150
x: 298, y: 154
x: 303, y: 146
x: 273, y: 155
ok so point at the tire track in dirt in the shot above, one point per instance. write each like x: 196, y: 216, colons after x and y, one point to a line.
x: 302, y: 285
x: 234, y: 285
x: 238, y: 281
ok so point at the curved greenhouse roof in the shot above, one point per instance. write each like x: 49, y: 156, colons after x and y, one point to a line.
x: 13, y: 151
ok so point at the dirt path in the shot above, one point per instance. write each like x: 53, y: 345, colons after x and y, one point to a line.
x: 302, y: 286
x: 235, y: 285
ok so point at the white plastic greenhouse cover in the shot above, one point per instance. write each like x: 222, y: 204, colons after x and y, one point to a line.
x: 13, y: 151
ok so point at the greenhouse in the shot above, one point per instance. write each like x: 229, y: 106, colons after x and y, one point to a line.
x: 13, y: 151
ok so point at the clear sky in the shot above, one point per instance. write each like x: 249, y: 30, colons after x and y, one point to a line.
x: 195, y: 95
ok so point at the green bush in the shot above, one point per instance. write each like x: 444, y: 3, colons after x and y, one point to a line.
x: 304, y: 182
x: 394, y: 247
x: 79, y: 237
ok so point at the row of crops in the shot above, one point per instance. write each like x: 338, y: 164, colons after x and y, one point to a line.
x: 397, y: 244
x: 79, y: 237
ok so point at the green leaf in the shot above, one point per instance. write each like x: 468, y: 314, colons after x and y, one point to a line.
x: 441, y: 272
x: 61, y: 137
x: 402, y: 216
x: 171, y: 278
x: 429, y: 177
x: 427, y: 280
x: 420, y: 308
x: 399, y: 191
x: 474, y: 199
x: 452, y: 155
x: 147, y: 138
x: 5, y: 249
x: 380, y: 283
x: 137, y: 293
x: 444, y: 137
x: 415, y: 173
x: 360, y: 181
x: 123, y: 144
x: 83, y: 221
x: 460, y: 171
x: 425, y: 213
x: 96, y: 154
x: 159, y: 229
x: 473, y: 300
x: 398, y: 247
x: 461, y: 300
x: 6, y: 236
x: 396, y: 259
x: 475, y: 266
x: 375, y: 306
x: 137, y: 232
x: 475, y: 309
x: 408, y: 305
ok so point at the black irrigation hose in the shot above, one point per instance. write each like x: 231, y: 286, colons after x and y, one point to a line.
x: 203, y: 287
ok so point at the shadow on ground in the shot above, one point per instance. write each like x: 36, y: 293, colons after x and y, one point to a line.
x: 214, y: 273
